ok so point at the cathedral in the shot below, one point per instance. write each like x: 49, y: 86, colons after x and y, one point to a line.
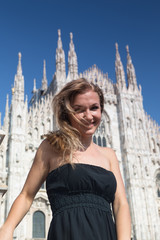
x: 125, y: 127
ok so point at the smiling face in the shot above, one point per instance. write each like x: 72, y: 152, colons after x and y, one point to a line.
x: 87, y: 113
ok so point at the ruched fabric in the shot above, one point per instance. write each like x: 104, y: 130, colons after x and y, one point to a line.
x: 80, y: 200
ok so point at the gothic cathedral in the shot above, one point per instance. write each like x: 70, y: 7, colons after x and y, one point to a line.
x: 125, y: 127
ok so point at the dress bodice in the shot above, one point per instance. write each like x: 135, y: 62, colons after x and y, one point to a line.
x: 82, y: 178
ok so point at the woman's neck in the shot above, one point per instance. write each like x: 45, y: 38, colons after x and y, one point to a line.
x: 86, y: 142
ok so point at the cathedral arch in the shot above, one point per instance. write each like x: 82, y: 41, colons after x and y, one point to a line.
x: 38, y: 229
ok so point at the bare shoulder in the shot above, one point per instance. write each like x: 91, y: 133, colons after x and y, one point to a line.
x: 109, y: 152
x: 48, y: 154
x: 111, y: 156
x: 45, y: 146
x: 44, y: 149
x: 44, y: 152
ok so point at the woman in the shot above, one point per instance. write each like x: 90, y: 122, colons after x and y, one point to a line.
x: 82, y: 179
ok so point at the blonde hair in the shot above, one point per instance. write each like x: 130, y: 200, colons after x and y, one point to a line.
x: 66, y: 140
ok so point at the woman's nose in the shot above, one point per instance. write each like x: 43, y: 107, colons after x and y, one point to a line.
x: 88, y: 115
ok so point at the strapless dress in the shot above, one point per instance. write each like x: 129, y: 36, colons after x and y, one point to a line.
x: 80, y: 199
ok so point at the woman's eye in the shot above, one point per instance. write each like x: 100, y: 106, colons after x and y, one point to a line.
x: 78, y: 110
x: 95, y: 107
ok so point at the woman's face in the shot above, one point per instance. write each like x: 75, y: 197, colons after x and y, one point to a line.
x: 87, y: 111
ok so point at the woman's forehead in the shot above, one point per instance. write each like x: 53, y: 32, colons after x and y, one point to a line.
x: 88, y: 96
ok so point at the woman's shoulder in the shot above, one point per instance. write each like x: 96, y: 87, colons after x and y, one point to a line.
x: 109, y: 154
x: 45, y: 146
x: 46, y: 150
x: 106, y: 150
x: 49, y: 153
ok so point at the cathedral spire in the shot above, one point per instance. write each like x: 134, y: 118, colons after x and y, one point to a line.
x: 34, y: 86
x: 19, y: 67
x: 44, y: 80
x: 131, y: 76
x: 18, y: 90
x: 72, y: 61
x: 120, y: 75
x: 60, y: 56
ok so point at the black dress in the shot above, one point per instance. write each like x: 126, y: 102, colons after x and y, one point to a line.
x: 80, y: 200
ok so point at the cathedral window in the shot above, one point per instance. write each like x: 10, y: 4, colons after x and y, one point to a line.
x: 19, y: 121
x: 104, y: 142
x: 99, y: 141
x: 158, y: 184
x: 38, y: 225
x: 103, y: 133
x: 94, y: 139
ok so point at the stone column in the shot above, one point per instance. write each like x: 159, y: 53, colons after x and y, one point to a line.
x: 3, y: 187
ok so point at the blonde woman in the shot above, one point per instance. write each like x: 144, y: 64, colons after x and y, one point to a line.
x: 82, y: 178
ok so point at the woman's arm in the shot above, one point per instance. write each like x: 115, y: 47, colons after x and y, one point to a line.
x: 120, y: 204
x: 21, y: 205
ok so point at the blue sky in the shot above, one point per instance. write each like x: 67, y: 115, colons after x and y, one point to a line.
x: 30, y: 27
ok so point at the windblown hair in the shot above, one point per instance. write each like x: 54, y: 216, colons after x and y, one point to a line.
x: 66, y: 140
